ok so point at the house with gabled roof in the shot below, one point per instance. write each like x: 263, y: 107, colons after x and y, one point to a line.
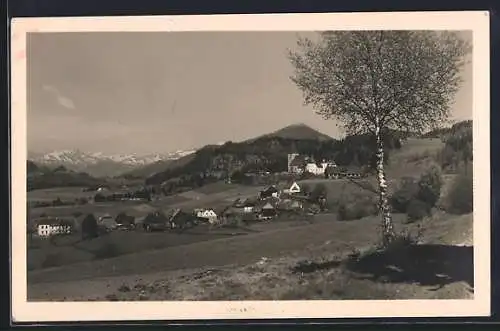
x: 268, y: 210
x: 296, y: 163
x: 207, y: 214
x: 294, y: 188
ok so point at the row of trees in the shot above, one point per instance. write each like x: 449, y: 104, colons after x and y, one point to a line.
x: 144, y: 194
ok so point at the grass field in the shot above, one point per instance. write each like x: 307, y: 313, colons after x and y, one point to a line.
x: 64, y: 193
x: 239, y: 249
x: 67, y: 250
x: 234, y: 268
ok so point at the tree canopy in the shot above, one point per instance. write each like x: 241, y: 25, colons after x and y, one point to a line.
x: 403, y: 80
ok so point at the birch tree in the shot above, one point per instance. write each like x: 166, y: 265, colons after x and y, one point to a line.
x: 372, y: 81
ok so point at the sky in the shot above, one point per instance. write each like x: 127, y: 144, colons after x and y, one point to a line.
x: 157, y: 92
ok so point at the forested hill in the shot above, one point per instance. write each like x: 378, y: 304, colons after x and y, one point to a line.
x: 269, y: 153
x: 40, y: 177
x: 457, y: 128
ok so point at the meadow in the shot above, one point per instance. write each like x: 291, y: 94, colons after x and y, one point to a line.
x: 60, y: 270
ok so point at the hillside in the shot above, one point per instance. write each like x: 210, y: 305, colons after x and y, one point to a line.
x: 295, y: 132
x: 267, y: 153
x: 40, y: 177
x: 156, y: 167
x: 278, y: 265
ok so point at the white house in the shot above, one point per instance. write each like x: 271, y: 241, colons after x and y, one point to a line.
x: 49, y: 227
x: 318, y: 169
x: 209, y: 214
x: 295, y: 188
x: 248, y: 209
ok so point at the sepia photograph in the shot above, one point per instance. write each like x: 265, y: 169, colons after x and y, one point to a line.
x: 208, y: 170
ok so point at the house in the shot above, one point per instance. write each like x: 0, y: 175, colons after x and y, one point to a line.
x: 52, y: 226
x: 271, y: 191
x: 208, y: 214
x: 317, y: 169
x: 296, y: 163
x: 125, y: 222
x: 293, y: 189
x: 351, y: 173
x: 248, y: 208
x: 268, y: 210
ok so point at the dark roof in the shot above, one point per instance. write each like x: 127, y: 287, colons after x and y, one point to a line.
x: 270, y: 189
x: 268, y: 206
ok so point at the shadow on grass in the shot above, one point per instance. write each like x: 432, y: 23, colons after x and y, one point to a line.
x: 428, y: 265
x: 309, y: 267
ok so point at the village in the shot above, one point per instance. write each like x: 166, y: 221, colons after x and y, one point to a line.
x: 283, y: 197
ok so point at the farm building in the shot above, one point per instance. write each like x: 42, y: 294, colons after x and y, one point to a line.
x: 123, y: 219
x: 292, y: 189
x: 209, y: 214
x: 268, y: 210
x: 318, y: 169
x: 296, y: 163
x: 351, y: 172
x: 51, y: 226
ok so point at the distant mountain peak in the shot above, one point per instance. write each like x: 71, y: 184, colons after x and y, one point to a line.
x: 299, y: 131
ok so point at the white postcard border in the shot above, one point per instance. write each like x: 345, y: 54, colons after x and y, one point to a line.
x: 477, y: 21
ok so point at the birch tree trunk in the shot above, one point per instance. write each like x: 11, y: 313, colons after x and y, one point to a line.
x: 387, y: 225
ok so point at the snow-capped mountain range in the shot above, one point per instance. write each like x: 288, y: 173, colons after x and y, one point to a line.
x: 101, y: 164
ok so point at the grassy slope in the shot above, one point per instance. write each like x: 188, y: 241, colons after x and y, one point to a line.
x: 182, y: 272
x: 287, y: 245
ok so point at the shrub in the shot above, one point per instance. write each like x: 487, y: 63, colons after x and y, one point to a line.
x: 306, y: 189
x: 89, y: 227
x: 460, y: 197
x: 429, y: 186
x: 124, y: 288
x: 417, y: 209
x: 404, y: 240
x: 318, y: 191
x: 406, y: 193
x: 356, y: 210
